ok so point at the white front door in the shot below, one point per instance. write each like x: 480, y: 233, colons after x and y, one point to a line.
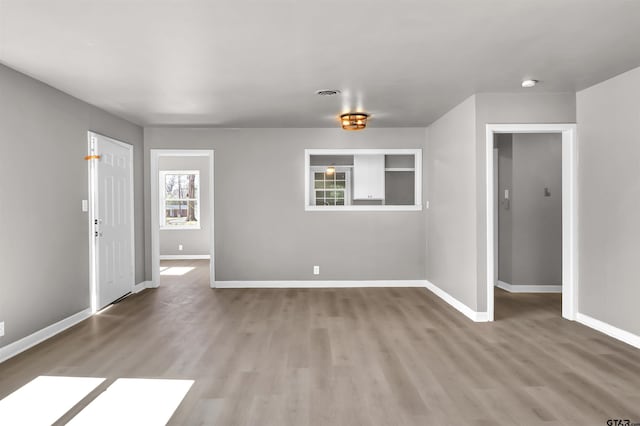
x: 112, y: 218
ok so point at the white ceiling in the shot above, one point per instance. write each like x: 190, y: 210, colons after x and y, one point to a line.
x: 257, y: 63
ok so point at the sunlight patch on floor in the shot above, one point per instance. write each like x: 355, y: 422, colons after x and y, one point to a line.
x: 103, y: 310
x: 45, y: 399
x: 135, y: 402
x: 176, y: 270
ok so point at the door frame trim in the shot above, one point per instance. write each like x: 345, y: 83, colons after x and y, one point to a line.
x: 92, y: 180
x: 569, y: 210
x: 154, y: 171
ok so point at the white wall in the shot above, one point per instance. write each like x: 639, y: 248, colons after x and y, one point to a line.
x: 194, y: 241
x: 609, y: 201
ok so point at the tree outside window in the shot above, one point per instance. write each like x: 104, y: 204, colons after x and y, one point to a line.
x: 180, y: 201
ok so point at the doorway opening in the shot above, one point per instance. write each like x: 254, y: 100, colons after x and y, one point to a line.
x: 528, y: 225
x: 496, y: 202
x: 182, y: 215
x: 111, y: 227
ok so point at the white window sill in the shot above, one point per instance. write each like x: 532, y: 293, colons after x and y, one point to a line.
x: 363, y: 208
x: 180, y: 228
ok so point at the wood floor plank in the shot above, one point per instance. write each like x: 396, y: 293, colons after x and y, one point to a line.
x: 361, y: 356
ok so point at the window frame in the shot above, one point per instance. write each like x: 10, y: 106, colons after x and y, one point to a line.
x: 339, y: 169
x: 308, y: 182
x: 163, y: 200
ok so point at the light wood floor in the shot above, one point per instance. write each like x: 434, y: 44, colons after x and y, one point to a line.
x: 347, y: 357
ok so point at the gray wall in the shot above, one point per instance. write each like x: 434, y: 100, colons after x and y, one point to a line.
x: 194, y: 241
x: 456, y: 162
x: 504, y: 143
x: 262, y: 231
x: 531, y: 228
x: 609, y: 201
x: 44, y: 244
x: 450, y: 163
x: 505, y: 108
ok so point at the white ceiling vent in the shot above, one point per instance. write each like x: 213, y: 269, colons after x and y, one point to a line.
x: 328, y: 92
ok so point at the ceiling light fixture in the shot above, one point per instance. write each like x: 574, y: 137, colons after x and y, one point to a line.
x: 529, y: 83
x: 330, y: 171
x: 354, y: 120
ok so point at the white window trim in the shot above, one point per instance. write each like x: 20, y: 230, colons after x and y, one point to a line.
x: 570, y: 281
x: 417, y: 170
x: 162, y: 200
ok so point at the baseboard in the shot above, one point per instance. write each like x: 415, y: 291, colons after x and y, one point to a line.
x: 320, y: 284
x: 184, y: 256
x: 609, y: 330
x: 39, y: 336
x: 143, y: 285
x: 511, y: 288
x: 467, y: 311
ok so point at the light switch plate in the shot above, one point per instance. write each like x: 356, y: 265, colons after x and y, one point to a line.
x: 85, y: 206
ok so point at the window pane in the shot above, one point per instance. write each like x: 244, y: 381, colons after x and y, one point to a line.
x: 171, y: 186
x: 188, y: 186
x: 192, y: 212
x: 181, y: 186
x: 329, y: 189
x: 175, y: 212
x: 181, y: 213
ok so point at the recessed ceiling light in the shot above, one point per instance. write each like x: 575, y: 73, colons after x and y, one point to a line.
x: 529, y: 83
x: 328, y: 92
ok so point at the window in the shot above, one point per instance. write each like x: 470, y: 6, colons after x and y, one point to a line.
x: 331, y: 186
x: 363, y: 180
x: 180, y: 199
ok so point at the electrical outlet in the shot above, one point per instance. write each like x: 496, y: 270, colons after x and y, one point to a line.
x: 179, y: 247
x: 1, y: 328
x: 316, y: 270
